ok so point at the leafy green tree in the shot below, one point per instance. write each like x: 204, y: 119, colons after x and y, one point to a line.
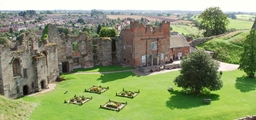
x: 45, y: 33
x: 45, y: 37
x: 98, y: 29
x: 80, y: 20
x: 64, y: 30
x: 4, y: 40
x: 88, y: 30
x: 232, y: 15
x: 75, y: 31
x: 108, y: 32
x: 248, y: 57
x: 198, y: 72
x: 11, y: 30
x: 74, y: 46
x: 213, y: 21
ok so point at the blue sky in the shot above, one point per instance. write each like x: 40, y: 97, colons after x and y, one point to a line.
x: 225, y: 5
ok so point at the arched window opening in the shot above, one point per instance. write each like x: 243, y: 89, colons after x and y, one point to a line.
x: 16, y: 67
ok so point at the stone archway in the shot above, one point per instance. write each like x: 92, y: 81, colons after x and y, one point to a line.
x: 25, y: 90
x: 42, y: 84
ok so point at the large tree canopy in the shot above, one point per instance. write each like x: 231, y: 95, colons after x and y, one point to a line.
x: 108, y: 32
x: 213, y: 21
x: 4, y: 40
x: 199, y: 72
x: 248, y: 57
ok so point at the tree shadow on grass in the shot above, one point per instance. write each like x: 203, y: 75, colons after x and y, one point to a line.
x: 115, y: 76
x: 100, y: 68
x: 181, y: 100
x: 245, y: 84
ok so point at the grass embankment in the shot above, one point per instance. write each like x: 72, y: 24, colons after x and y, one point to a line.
x: 227, y: 48
x: 234, y: 100
x: 15, y: 109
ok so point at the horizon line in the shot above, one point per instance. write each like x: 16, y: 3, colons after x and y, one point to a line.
x: 121, y: 10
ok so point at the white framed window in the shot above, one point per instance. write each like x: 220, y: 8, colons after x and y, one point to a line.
x: 153, y: 45
x: 143, y: 59
x: 162, y: 56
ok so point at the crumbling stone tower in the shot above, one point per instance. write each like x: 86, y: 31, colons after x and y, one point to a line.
x: 27, y: 65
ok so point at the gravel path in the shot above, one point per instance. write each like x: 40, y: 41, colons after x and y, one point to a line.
x: 227, y: 66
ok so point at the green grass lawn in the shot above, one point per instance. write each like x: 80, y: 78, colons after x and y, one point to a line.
x: 103, y: 69
x: 236, y: 99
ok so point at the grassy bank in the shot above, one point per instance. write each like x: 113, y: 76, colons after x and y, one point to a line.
x: 227, y: 48
x: 15, y: 109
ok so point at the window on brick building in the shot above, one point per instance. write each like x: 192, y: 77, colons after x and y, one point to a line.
x: 162, y: 56
x: 153, y: 45
x: 16, y: 67
x: 143, y: 59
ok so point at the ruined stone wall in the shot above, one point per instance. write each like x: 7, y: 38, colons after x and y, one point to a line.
x: 119, y: 50
x: 1, y: 79
x: 104, y: 51
x: 34, y: 66
x: 83, y: 55
x: 52, y: 63
x: 41, y: 71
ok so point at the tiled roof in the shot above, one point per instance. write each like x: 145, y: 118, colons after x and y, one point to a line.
x: 178, y: 41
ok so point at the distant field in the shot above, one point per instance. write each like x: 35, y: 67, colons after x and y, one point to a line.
x: 245, y: 17
x: 150, y: 18
x: 240, y: 24
x: 185, y: 29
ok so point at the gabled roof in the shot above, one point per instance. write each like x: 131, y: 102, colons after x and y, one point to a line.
x: 178, y: 41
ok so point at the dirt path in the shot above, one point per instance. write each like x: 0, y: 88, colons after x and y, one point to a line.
x: 51, y: 87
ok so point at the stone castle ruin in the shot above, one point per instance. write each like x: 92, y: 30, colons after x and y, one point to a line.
x: 29, y: 64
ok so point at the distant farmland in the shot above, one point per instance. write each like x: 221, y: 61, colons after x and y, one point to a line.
x: 172, y: 19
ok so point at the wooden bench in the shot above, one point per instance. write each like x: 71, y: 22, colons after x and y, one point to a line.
x: 207, y: 101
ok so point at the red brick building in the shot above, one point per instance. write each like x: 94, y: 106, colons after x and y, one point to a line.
x: 178, y: 46
x: 144, y: 45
